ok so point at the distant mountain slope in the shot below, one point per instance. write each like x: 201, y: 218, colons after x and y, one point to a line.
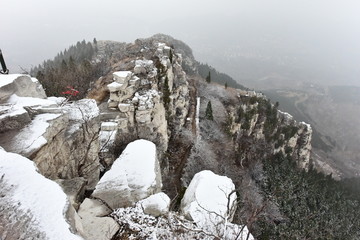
x: 333, y: 112
x: 218, y: 77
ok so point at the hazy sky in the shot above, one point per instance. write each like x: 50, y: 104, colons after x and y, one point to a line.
x: 32, y: 31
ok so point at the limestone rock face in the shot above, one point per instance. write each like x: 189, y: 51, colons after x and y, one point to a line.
x: 304, y: 148
x: 135, y: 175
x: 139, y: 97
x: 73, y: 145
x: 74, y: 189
x: 156, y: 205
x: 94, y: 221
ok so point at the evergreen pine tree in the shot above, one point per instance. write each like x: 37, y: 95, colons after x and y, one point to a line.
x: 208, y: 78
x: 171, y: 56
x: 226, y: 85
x: 166, y: 92
x: 209, y: 112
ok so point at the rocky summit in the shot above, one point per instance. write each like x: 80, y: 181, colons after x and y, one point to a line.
x: 151, y: 150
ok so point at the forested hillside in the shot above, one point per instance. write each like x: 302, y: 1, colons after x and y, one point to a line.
x: 74, y: 67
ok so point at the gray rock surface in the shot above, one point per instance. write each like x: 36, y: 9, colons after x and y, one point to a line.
x: 96, y: 224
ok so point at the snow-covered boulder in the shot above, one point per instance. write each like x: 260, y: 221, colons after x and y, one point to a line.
x: 156, y: 205
x: 31, y: 206
x: 209, y: 193
x: 210, y: 201
x: 20, y: 84
x: 94, y: 221
x: 135, y: 175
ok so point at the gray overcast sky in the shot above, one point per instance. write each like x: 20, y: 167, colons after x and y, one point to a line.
x: 32, y: 31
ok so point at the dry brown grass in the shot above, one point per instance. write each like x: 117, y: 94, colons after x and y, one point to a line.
x: 100, y: 91
x: 99, y: 94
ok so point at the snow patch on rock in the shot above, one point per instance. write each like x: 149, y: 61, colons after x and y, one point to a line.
x: 135, y: 175
x: 30, y: 139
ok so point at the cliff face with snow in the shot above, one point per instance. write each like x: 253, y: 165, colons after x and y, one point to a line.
x: 152, y: 93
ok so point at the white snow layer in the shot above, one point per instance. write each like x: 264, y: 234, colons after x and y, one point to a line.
x: 30, y: 101
x: 132, y: 176
x: 41, y: 198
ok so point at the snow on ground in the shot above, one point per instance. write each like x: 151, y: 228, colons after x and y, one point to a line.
x: 30, y: 138
x: 142, y: 226
x: 6, y: 79
x: 10, y: 111
x: 20, y: 102
x: 38, y: 197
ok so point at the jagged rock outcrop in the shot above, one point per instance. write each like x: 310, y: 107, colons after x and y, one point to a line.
x: 31, y: 206
x: 149, y: 97
x: 62, y: 139
x: 135, y: 175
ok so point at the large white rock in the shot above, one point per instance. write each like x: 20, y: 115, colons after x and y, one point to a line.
x: 156, y: 205
x: 94, y: 221
x: 135, y: 175
x: 208, y: 201
x: 32, y: 206
x: 21, y: 85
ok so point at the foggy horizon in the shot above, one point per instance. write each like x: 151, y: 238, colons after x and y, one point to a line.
x: 320, y: 36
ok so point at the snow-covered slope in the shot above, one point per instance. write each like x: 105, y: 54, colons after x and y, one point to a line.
x: 28, y: 198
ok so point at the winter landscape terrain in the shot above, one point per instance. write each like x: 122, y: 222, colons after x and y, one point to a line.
x: 113, y: 140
